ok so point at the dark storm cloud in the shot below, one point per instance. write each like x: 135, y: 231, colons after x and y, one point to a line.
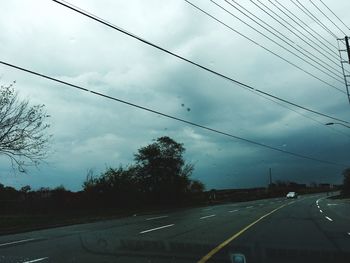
x: 91, y: 132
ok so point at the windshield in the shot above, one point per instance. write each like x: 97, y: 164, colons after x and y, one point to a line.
x: 174, y: 131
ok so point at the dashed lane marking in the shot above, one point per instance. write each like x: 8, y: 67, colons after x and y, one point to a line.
x: 236, y: 235
x: 157, y: 217
x: 204, y: 217
x: 36, y: 260
x: 328, y: 218
x: 157, y: 228
x: 17, y: 242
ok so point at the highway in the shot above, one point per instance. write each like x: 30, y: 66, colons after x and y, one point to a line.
x: 311, y: 228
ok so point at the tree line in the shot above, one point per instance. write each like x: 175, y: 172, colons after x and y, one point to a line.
x: 159, y: 175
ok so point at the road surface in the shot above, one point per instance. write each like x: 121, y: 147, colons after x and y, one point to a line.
x: 311, y: 228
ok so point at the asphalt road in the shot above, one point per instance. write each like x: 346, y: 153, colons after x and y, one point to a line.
x: 308, y: 229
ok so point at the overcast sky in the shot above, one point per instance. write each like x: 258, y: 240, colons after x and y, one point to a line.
x: 90, y: 132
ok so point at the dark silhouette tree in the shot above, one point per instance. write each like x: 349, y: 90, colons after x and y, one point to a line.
x: 23, y: 137
x: 346, y: 182
x: 159, y: 175
x: 196, y: 186
x: 163, y: 171
x: 114, y: 186
x: 25, y: 189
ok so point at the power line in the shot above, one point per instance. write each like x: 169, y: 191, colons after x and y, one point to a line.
x: 304, y: 115
x: 284, y: 38
x: 258, y: 44
x: 327, y: 17
x: 241, y: 84
x: 296, y: 29
x: 169, y: 116
x: 313, y: 30
x: 312, y: 16
x: 284, y: 25
x: 335, y: 15
x: 290, y: 14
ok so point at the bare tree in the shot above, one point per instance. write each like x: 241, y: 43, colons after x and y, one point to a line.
x: 23, y: 137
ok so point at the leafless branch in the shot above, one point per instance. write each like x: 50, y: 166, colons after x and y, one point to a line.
x: 23, y: 136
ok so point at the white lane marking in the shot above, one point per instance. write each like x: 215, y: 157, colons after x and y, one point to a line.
x: 17, y: 242
x: 321, y: 211
x: 158, y: 217
x: 349, y: 233
x: 207, y: 209
x: 328, y: 218
x: 157, y: 228
x: 78, y: 231
x: 249, y: 206
x: 232, y: 211
x: 203, y: 217
x: 318, y: 207
x: 35, y: 260
x: 331, y: 204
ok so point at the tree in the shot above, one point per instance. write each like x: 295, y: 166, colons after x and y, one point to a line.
x: 160, y: 175
x: 114, y: 187
x: 196, y: 186
x: 25, y: 189
x: 163, y: 171
x: 23, y: 137
x: 346, y: 182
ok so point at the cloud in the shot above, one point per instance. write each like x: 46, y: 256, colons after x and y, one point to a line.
x: 92, y: 132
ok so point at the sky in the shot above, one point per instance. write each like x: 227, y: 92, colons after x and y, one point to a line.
x: 90, y: 132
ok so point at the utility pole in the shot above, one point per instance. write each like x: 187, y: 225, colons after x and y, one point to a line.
x: 270, y: 176
x: 347, y: 47
x: 345, y: 63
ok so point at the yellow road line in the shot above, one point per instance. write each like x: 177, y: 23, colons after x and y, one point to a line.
x: 227, y: 241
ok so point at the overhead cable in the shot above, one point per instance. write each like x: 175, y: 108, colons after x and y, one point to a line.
x: 81, y: 88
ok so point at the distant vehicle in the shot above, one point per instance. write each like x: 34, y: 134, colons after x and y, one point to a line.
x: 292, y: 195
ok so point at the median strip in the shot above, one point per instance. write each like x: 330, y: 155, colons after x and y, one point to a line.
x: 204, y: 217
x: 157, y: 228
x: 227, y: 241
